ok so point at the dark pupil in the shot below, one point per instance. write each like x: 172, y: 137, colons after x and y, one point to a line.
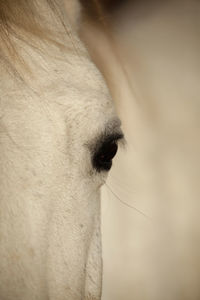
x: 103, y: 159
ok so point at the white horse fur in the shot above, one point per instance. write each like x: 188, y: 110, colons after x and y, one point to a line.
x: 54, y: 108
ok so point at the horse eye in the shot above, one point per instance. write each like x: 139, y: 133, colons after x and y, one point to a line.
x: 102, y: 160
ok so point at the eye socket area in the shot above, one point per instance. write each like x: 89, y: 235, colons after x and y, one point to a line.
x: 102, y: 159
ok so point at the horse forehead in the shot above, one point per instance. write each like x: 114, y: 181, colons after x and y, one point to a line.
x: 67, y: 86
x: 75, y: 84
x: 66, y: 76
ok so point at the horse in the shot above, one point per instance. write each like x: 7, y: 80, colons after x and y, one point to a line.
x: 59, y: 132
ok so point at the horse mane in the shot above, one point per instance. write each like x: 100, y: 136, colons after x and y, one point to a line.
x: 22, y: 19
x: 23, y: 14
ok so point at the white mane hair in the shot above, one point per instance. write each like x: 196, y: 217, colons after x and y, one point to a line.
x: 27, y: 21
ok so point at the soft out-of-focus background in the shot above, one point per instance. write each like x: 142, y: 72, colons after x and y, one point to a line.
x: 149, y: 53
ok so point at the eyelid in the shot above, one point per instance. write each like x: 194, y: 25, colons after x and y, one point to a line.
x: 113, y: 137
x: 117, y: 136
x: 111, y: 132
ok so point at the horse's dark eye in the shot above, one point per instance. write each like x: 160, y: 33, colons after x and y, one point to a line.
x: 102, y: 160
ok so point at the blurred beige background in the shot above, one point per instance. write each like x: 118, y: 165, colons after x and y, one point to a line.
x: 151, y: 63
